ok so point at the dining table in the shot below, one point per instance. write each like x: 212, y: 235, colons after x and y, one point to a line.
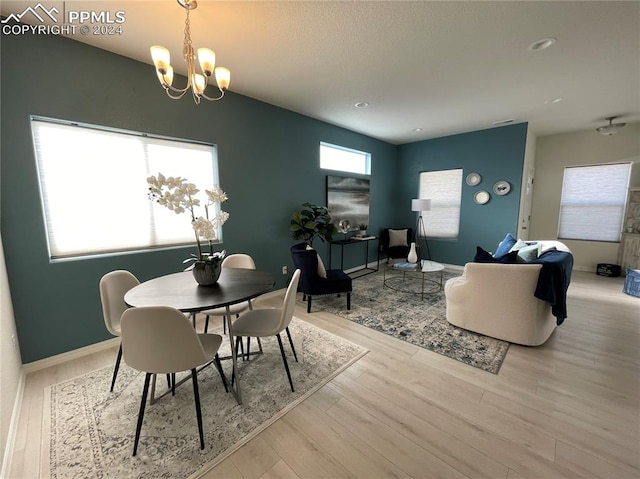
x: 180, y: 291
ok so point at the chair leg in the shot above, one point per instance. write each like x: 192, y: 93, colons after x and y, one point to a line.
x: 206, y: 324
x: 308, y: 304
x: 259, y: 344
x: 115, y: 370
x: 145, y: 390
x: 348, y: 300
x: 224, y: 325
x: 219, y: 367
x: 173, y: 384
x: 291, y: 343
x: 248, y: 347
x: 196, y: 395
x: 168, y: 381
x: 284, y: 359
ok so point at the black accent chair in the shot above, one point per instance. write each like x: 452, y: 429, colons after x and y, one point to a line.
x: 311, y: 283
x: 395, y: 252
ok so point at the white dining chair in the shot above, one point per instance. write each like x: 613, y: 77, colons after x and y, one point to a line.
x: 160, y: 340
x: 270, y: 322
x: 113, y: 287
x: 238, y: 260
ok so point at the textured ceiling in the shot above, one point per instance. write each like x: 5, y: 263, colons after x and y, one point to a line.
x: 445, y: 67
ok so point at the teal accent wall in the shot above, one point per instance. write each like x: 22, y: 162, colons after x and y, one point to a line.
x: 268, y: 164
x: 497, y: 154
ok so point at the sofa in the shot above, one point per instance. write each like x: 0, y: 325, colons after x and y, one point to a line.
x: 498, y: 299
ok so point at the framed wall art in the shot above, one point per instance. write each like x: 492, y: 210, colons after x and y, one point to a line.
x: 348, y: 199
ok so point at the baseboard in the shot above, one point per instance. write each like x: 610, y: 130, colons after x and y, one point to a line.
x: 69, y: 355
x: 13, y: 428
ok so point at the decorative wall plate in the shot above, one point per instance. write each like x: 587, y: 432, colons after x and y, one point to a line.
x: 502, y: 188
x: 481, y: 197
x: 473, y: 179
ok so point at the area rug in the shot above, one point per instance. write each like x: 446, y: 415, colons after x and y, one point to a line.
x: 90, y: 431
x: 404, y: 315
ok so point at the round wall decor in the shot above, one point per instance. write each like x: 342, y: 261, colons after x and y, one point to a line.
x: 502, y: 188
x: 481, y: 197
x: 473, y: 179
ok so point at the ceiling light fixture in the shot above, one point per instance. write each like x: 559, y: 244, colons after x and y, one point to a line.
x: 503, y: 122
x: 611, y: 128
x: 542, y: 44
x: 361, y: 104
x: 195, y: 81
x: 417, y: 129
x: 554, y: 101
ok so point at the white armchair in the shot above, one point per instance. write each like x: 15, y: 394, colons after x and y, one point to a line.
x: 498, y: 300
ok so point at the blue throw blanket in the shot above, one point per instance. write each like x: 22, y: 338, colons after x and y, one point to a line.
x: 554, y: 280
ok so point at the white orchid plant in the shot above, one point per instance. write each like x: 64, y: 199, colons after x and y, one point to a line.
x: 180, y: 196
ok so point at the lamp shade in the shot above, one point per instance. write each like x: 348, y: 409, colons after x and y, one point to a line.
x: 420, y: 204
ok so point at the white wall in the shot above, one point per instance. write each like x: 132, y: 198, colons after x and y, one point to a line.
x: 10, y: 362
x: 553, y: 154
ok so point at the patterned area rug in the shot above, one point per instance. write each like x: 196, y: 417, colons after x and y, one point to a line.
x: 91, y: 431
x: 421, y: 322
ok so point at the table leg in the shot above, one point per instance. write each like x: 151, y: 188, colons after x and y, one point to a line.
x: 235, y: 391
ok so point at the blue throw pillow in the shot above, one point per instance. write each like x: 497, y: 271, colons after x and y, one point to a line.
x: 505, y: 245
x: 483, y: 256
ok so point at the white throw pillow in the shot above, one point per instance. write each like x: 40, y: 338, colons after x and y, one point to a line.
x: 322, y: 272
x: 397, y: 238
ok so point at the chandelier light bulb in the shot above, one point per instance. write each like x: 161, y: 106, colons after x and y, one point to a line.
x: 161, y: 58
x: 207, y: 59
x: 223, y: 78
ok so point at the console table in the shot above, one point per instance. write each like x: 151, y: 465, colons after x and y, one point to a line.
x: 350, y: 241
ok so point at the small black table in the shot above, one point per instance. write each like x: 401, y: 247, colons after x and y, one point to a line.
x: 361, y: 271
x: 180, y: 291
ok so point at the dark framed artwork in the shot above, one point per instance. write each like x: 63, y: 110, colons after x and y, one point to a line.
x: 348, y: 199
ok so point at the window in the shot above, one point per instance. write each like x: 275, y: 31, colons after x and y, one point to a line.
x: 592, y: 203
x: 338, y: 158
x: 93, y: 185
x: 444, y: 188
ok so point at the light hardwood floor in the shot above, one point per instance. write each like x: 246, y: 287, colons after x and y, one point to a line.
x: 569, y: 408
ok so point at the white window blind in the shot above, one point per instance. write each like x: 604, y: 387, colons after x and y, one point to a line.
x: 592, y: 203
x: 333, y: 157
x: 444, y: 189
x: 93, y: 185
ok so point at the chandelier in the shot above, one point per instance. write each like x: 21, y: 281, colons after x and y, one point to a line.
x: 195, y: 81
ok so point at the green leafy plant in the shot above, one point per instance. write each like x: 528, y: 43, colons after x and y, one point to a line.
x: 312, y: 222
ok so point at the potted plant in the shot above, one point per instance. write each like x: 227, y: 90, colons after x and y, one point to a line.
x: 178, y: 195
x: 363, y: 229
x: 312, y: 222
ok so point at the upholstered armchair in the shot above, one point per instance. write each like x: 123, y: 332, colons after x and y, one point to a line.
x: 315, y: 280
x: 395, y: 242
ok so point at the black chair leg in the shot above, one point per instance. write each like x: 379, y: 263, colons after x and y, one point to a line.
x: 115, y: 370
x: 291, y: 343
x: 219, y: 367
x: 206, y: 324
x: 348, y: 300
x: 248, y: 347
x: 284, y: 359
x: 173, y: 384
x: 145, y: 390
x: 259, y: 344
x: 168, y: 381
x: 196, y: 395
x: 308, y: 304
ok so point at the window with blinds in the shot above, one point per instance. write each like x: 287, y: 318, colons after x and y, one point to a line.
x: 444, y: 189
x: 93, y: 185
x: 339, y: 158
x: 592, y: 203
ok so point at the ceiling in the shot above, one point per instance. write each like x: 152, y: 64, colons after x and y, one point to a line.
x: 444, y: 67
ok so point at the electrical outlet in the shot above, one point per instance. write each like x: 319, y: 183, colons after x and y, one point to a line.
x: 285, y: 270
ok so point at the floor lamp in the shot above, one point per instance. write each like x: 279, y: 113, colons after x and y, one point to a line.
x: 421, y: 205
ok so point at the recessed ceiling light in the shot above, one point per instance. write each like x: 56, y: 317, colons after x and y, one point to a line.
x: 361, y: 104
x: 417, y: 129
x: 542, y: 44
x: 554, y: 100
x: 503, y: 122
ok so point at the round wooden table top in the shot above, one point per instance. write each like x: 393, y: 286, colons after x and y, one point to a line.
x: 180, y: 290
